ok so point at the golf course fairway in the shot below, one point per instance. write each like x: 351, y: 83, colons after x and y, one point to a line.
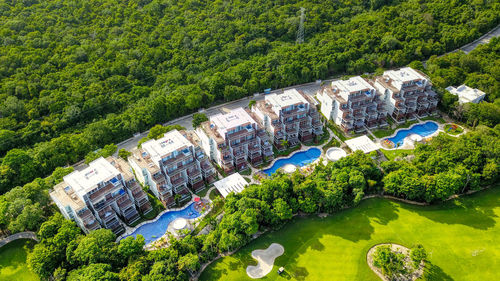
x: 461, y: 237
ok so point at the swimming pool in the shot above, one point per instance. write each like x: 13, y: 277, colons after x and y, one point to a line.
x: 424, y: 130
x: 154, y: 230
x: 300, y: 159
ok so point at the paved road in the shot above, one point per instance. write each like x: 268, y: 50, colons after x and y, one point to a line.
x: 16, y: 236
x: 308, y: 88
x: 482, y: 40
x: 186, y: 121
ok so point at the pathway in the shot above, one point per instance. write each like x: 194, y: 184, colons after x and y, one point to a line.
x: 16, y: 236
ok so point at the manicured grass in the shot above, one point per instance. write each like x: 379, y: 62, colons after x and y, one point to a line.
x: 287, y: 151
x: 203, y: 192
x: 336, y: 130
x: 387, y: 132
x: 13, y: 261
x: 333, y: 142
x: 392, y: 154
x: 462, y: 238
x: 448, y: 130
x: 217, y: 208
x: 437, y: 119
x: 214, y: 194
x: 246, y: 172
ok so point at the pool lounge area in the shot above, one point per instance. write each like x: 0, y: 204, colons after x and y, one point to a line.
x: 154, y: 230
x: 301, y: 159
x: 423, y: 130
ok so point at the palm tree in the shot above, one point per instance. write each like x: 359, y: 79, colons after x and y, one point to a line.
x: 284, y: 143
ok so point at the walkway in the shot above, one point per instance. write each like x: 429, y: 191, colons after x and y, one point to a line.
x: 16, y: 236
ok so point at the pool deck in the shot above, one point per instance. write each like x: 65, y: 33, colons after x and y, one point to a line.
x: 129, y: 231
x: 406, y: 144
x: 302, y: 149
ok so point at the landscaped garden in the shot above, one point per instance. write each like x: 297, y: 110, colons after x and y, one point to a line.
x: 394, y: 153
x: 13, y: 262
x: 453, y: 129
x: 461, y: 237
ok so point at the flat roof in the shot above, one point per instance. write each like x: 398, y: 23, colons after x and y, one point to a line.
x: 466, y: 93
x: 287, y: 98
x: 66, y: 197
x: 353, y: 84
x: 363, y: 143
x: 233, y: 183
x: 87, y: 179
x: 170, y: 142
x: 404, y: 74
x: 236, y: 117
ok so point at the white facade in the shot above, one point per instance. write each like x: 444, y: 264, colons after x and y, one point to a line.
x: 362, y: 143
x: 234, y: 183
x: 467, y: 94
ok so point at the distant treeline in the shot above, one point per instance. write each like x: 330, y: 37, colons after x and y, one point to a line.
x: 77, y: 75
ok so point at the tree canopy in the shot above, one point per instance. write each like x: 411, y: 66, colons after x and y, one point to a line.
x: 76, y: 76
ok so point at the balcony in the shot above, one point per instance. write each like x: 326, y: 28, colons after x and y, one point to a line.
x: 176, y: 182
x: 103, y: 191
x: 347, y: 109
x: 359, y: 115
x: 193, y: 172
x: 165, y: 190
x: 145, y: 208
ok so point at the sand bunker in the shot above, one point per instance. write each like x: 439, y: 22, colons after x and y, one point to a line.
x: 265, y: 260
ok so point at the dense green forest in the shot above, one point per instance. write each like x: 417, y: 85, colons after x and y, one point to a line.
x: 478, y: 69
x: 76, y: 76
x: 445, y: 167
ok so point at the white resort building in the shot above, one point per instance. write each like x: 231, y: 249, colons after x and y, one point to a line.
x: 102, y: 195
x: 353, y: 104
x: 290, y: 116
x: 407, y: 93
x: 234, y: 139
x: 466, y: 94
x: 169, y: 165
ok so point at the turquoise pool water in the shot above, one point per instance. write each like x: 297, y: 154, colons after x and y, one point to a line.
x: 424, y: 130
x: 154, y: 230
x: 301, y: 159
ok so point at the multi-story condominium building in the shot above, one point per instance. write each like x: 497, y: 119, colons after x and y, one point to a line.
x: 169, y: 165
x: 100, y: 196
x: 234, y: 139
x: 290, y: 116
x: 408, y: 93
x: 353, y: 104
x: 134, y: 189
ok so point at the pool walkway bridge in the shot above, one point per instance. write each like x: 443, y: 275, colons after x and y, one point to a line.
x: 16, y: 236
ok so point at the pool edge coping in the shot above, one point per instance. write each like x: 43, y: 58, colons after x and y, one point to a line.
x: 157, y: 218
x: 292, y: 154
x: 438, y: 130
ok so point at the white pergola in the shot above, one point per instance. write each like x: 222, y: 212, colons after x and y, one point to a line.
x: 233, y: 183
x: 363, y: 143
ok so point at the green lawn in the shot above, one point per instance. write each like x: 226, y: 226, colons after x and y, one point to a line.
x: 391, y: 154
x: 434, y: 118
x: 462, y: 238
x: 13, y: 261
x: 381, y: 133
x: 449, y: 130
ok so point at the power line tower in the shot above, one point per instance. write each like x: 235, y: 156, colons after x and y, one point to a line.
x: 300, y: 32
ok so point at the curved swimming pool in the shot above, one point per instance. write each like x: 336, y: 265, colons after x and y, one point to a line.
x: 301, y: 159
x: 425, y: 129
x: 154, y: 230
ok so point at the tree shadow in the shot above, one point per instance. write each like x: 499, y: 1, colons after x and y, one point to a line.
x: 433, y: 272
x: 299, y: 273
x: 470, y: 211
x: 360, y: 223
